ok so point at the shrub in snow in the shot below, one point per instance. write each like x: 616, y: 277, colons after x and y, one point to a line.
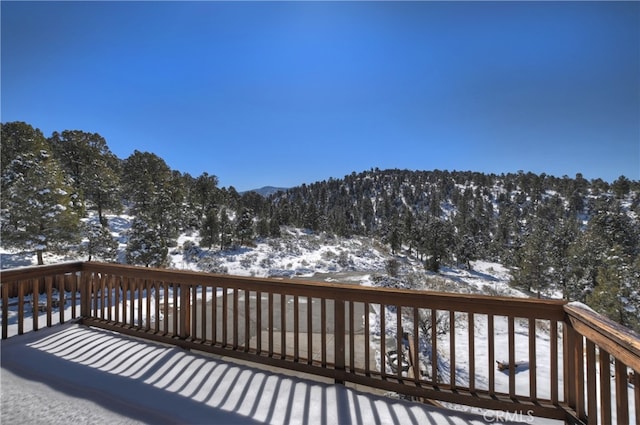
x: 191, y: 252
x: 212, y: 264
x: 248, y: 260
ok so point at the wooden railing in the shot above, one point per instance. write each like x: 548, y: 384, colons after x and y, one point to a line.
x: 527, y: 357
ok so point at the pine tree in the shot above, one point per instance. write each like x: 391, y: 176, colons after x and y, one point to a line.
x: 616, y: 292
x: 210, y: 229
x: 205, y: 194
x: 94, y: 169
x: 226, y: 230
x: 155, y: 193
x: 533, y: 265
x: 40, y: 212
x: 244, y: 226
x: 146, y: 246
x: 99, y: 243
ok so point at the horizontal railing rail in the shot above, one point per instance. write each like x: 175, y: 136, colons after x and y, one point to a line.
x: 526, y: 356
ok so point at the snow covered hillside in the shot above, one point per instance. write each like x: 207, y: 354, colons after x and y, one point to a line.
x: 304, y: 254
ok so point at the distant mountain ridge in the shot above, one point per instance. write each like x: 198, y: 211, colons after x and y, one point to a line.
x: 267, y: 190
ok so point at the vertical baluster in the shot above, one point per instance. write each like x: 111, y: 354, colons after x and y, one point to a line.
x: 283, y: 326
x: 85, y: 294
x: 224, y: 312
x: 185, y: 313
x: 74, y: 290
x: 95, y: 288
x: 156, y: 290
x: 399, y: 341
x: 109, y: 286
x: 491, y: 354
x: 203, y: 312
x: 472, y: 352
x: 636, y: 392
x: 49, y: 286
x: 271, y: 320
x: 512, y: 357
x: 339, y: 338
x: 434, y: 347
x: 383, y: 341
x: 309, y: 330
x: 605, y: 386
x: 5, y: 310
x: 175, y: 313
x: 352, y: 342
x: 568, y: 365
x: 35, y: 289
x: 60, y: 280
x: 194, y: 313
x: 415, y: 349
x: 323, y: 330
x: 579, y: 362
x: 148, y: 294
x: 367, y: 340
x: 118, y: 287
x: 125, y: 299
x: 139, y: 285
x: 591, y: 383
x: 214, y: 315
x: 234, y: 317
x: 21, y: 307
x: 452, y: 349
x: 103, y: 295
x: 296, y: 329
x: 533, y: 385
x: 258, y: 322
x: 247, y: 314
x: 553, y: 358
x: 622, y: 396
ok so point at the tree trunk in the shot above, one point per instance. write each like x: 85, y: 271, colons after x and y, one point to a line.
x: 40, y: 260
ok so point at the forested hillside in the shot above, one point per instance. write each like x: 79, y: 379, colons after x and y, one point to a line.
x: 575, y: 236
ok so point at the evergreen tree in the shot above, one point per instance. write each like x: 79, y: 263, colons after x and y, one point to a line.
x: 155, y: 194
x: 40, y: 211
x: 533, y: 265
x: 436, y: 243
x: 616, y: 292
x: 146, y: 246
x: 99, y: 243
x: 94, y: 169
x: 226, y: 230
x: 205, y: 194
x: 621, y: 187
x: 244, y: 226
x: 210, y: 229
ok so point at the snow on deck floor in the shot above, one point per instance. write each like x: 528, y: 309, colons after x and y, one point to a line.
x: 72, y: 373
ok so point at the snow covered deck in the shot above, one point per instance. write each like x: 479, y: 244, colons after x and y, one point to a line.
x: 71, y: 373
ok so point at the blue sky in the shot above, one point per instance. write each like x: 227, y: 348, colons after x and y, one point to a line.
x: 285, y: 93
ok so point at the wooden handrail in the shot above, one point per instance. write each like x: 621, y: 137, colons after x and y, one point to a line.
x: 32, y: 272
x: 617, y: 340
